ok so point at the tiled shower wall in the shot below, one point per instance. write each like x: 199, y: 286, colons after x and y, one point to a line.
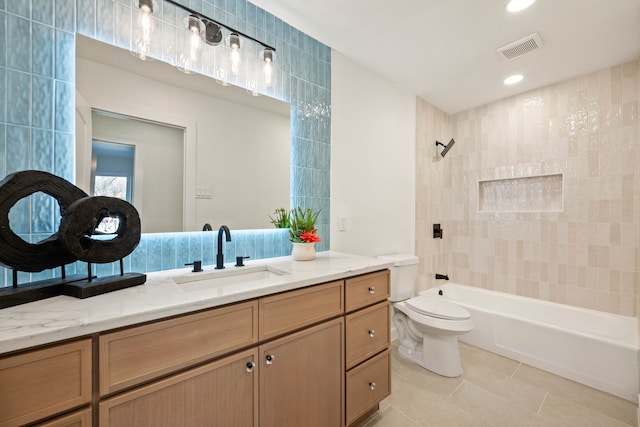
x: 37, y: 78
x: 586, y: 254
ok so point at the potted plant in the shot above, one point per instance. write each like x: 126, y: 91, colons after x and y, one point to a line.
x: 280, y: 218
x: 303, y: 233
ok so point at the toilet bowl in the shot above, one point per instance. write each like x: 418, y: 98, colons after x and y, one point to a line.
x: 427, y: 326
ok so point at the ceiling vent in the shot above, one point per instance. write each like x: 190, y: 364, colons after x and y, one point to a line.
x: 521, y: 46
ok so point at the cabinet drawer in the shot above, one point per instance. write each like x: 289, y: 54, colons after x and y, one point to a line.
x: 142, y: 353
x: 292, y: 310
x: 41, y: 383
x: 367, y: 385
x: 75, y: 419
x: 367, y: 333
x: 366, y: 290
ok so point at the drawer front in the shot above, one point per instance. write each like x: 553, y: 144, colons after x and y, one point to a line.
x: 366, y: 290
x: 367, y: 385
x: 367, y: 333
x: 76, y: 419
x: 293, y: 310
x: 41, y: 383
x: 142, y: 353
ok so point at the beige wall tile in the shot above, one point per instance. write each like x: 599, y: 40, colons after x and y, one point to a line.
x: 586, y: 128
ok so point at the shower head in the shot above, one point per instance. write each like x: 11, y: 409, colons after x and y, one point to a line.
x: 446, y: 147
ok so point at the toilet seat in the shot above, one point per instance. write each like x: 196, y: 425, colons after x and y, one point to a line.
x: 430, y: 305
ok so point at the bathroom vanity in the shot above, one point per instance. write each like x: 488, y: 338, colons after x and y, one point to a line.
x: 280, y: 343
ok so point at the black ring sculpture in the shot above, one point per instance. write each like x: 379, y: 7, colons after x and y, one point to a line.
x: 72, y: 241
x: 84, y: 215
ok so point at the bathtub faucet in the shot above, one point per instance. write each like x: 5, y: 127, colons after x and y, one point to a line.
x: 441, y: 276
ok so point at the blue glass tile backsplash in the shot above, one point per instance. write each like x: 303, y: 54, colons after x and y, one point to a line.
x: 37, y: 117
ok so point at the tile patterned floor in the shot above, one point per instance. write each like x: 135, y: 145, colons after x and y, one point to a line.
x: 494, y: 391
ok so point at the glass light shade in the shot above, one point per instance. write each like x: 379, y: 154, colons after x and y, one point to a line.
x: 235, y: 58
x: 190, y: 48
x: 268, y: 69
x: 145, y: 42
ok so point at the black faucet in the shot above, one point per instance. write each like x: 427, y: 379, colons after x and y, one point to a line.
x: 220, y: 255
x: 441, y: 276
x: 207, y: 227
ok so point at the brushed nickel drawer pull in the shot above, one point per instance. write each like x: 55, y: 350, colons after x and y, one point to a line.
x: 250, y: 366
x: 372, y: 290
x: 372, y: 385
x: 372, y: 333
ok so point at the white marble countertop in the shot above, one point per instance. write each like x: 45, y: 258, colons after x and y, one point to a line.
x: 64, y: 317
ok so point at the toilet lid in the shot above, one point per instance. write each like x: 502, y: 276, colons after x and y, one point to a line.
x: 436, y: 306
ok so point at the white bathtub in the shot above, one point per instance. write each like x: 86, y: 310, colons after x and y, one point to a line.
x: 591, y: 347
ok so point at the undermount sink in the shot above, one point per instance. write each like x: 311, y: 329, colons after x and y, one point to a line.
x: 240, y: 278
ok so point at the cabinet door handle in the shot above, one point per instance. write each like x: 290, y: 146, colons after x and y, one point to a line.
x: 372, y: 290
x: 269, y: 358
x: 372, y: 333
x: 372, y: 385
x: 250, y: 366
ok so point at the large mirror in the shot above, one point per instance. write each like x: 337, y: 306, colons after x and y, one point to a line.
x: 193, y: 152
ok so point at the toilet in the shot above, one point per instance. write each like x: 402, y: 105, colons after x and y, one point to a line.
x: 428, y: 326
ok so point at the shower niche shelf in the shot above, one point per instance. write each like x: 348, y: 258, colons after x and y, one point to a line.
x: 540, y: 193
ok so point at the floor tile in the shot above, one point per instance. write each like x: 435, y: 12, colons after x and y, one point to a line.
x: 560, y: 412
x: 494, y: 391
x: 491, y: 408
x: 571, y: 391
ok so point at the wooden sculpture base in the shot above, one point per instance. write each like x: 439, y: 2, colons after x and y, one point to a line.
x: 85, y: 288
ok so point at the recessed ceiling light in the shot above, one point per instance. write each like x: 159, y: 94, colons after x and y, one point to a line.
x: 518, y: 5
x: 511, y: 80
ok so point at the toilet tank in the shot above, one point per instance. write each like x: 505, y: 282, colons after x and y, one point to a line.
x: 403, y: 275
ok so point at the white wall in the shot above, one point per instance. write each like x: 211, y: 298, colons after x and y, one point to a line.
x: 373, y: 126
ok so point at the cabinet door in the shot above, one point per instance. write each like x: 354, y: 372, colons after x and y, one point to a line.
x: 41, y: 383
x: 219, y: 394
x: 301, y: 378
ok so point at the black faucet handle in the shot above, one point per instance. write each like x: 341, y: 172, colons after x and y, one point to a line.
x: 197, y: 266
x: 240, y: 260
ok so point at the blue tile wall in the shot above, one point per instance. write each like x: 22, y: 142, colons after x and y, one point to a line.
x: 37, y: 118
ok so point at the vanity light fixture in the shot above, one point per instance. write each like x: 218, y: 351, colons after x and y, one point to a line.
x: 511, y: 80
x: 517, y: 5
x: 205, y: 34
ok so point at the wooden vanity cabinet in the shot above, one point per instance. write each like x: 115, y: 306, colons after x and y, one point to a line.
x: 315, y: 357
x: 367, y: 340
x: 41, y: 383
